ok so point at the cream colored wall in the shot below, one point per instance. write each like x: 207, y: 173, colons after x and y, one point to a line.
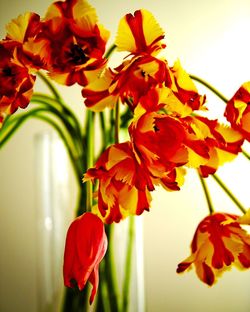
x: 211, y: 38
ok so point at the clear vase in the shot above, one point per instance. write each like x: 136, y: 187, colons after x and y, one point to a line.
x: 56, y: 200
x: 53, y: 216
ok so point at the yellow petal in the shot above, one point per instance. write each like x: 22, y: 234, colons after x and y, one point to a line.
x: 151, y: 28
x: 84, y: 12
x: 183, y: 79
x: 224, y: 156
x: 195, y: 160
x: 245, y: 219
x: 240, y: 106
x: 125, y: 40
x: 230, y: 135
x: 16, y: 29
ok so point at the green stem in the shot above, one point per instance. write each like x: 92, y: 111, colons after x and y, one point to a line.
x: 74, y: 136
x: 110, y: 271
x: 90, y: 156
x: 50, y: 85
x: 76, y: 167
x: 18, y: 120
x: 112, y: 125
x: 117, y: 122
x: 110, y: 51
x: 102, y: 303
x: 246, y: 154
x: 128, y: 265
x: 229, y: 193
x: 104, y: 132
x: 60, y: 106
x: 210, y: 87
x: 207, y: 195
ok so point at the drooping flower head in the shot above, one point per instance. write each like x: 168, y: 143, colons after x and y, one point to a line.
x: 238, y: 110
x: 124, y: 183
x: 140, y: 35
x: 158, y: 140
x: 15, y: 80
x: 85, y: 247
x: 21, y: 57
x: 76, y: 42
x: 219, y: 242
x: 128, y: 82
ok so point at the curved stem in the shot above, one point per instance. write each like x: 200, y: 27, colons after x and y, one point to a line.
x: 49, y: 85
x: 207, y: 195
x: 229, y: 193
x: 110, y: 51
x: 61, y: 106
x: 128, y: 265
x: 210, y: 87
x: 246, y: 154
x: 73, y: 134
x: 18, y: 120
x: 76, y: 168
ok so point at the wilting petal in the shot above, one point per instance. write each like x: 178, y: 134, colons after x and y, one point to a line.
x: 139, y: 33
x: 185, y: 89
x: 210, y: 144
x: 218, y: 243
x: 97, y: 95
x: 135, y: 77
x: 124, y: 183
x: 23, y: 27
x: 25, y: 31
x: 15, y: 80
x: 238, y: 110
x: 85, y: 247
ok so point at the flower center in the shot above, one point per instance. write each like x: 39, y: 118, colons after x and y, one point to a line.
x: 7, y: 72
x: 77, y: 56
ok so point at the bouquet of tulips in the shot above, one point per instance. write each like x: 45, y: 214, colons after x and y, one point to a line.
x: 168, y: 133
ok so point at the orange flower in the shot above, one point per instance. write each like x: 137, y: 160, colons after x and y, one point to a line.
x: 129, y: 82
x: 218, y: 243
x: 141, y: 35
x: 210, y: 144
x: 76, y: 42
x: 15, y: 80
x: 158, y: 140
x: 124, y: 183
x: 85, y: 247
x: 238, y: 110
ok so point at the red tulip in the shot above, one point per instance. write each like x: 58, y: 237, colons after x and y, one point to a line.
x: 85, y: 247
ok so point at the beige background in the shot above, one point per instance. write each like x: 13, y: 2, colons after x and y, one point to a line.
x: 211, y: 38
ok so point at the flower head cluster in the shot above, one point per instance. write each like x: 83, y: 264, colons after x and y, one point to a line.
x: 68, y: 43
x: 167, y: 133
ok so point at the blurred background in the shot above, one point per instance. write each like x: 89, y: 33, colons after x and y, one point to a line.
x: 211, y: 39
